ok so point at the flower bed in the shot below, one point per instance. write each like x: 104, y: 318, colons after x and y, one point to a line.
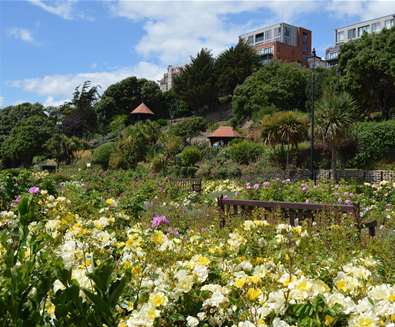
x: 60, y: 267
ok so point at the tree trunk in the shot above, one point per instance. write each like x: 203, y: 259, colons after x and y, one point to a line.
x: 333, y: 161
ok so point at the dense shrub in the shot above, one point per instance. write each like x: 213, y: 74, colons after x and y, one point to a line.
x: 190, y: 156
x: 279, y: 85
x: 101, y: 155
x: 134, y: 145
x: 189, y: 128
x: 245, y: 151
x: 374, y: 140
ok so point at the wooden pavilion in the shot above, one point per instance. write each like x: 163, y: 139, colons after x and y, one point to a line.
x: 141, y: 113
x: 223, y: 135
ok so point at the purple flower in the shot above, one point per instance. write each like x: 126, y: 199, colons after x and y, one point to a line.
x: 256, y: 186
x: 248, y: 186
x: 173, y: 231
x: 34, y: 190
x: 17, y: 199
x: 304, y: 188
x: 348, y: 201
x: 339, y: 200
x: 157, y: 221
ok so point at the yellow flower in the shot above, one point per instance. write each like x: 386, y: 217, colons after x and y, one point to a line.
x: 240, y: 282
x: 392, y: 317
x: 158, y: 237
x: 122, y: 323
x: 253, y: 293
x: 110, y: 202
x: 158, y: 299
x: 202, y: 260
x: 50, y: 308
x: 391, y: 297
x: 341, y: 285
x: 254, y: 279
x: 328, y: 320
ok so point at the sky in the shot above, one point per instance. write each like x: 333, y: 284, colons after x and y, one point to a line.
x: 47, y: 48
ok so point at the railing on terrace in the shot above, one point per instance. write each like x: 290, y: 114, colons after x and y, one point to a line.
x: 294, y: 211
x: 370, y: 176
x: 187, y: 184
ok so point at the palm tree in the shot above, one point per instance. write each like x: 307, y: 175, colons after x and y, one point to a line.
x: 287, y: 128
x: 334, y: 117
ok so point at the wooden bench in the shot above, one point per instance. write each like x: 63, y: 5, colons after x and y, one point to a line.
x: 293, y: 211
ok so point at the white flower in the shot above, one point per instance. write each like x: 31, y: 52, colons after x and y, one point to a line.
x: 58, y: 285
x: 277, y: 322
x: 246, y: 324
x: 192, y: 321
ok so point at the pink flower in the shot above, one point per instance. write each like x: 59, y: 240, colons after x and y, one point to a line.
x: 34, y: 190
x: 157, y: 221
x: 266, y: 184
x: 256, y: 186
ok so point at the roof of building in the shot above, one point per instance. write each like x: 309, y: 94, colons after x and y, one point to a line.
x: 142, y: 109
x: 224, y: 132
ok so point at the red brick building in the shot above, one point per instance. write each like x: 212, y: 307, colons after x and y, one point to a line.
x: 282, y: 42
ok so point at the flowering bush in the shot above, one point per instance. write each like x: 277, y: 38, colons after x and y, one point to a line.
x: 61, y: 268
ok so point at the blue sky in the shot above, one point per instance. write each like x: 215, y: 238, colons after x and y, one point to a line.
x: 47, y: 48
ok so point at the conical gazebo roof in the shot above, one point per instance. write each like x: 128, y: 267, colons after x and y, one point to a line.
x: 142, y: 109
x: 224, y: 132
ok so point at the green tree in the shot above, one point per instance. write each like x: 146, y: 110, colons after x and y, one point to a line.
x: 13, y: 115
x: 367, y: 68
x: 122, y: 97
x: 134, y: 145
x: 196, y: 83
x: 334, y: 118
x: 79, y: 117
x: 234, y: 65
x: 276, y: 84
x: 287, y: 128
x: 27, y: 140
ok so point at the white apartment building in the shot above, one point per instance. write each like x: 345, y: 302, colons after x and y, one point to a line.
x: 355, y: 31
x: 167, y: 81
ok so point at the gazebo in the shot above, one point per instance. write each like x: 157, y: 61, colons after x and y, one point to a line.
x: 142, y: 112
x: 223, y: 135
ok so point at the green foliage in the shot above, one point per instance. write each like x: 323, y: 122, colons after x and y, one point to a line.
x: 277, y: 84
x: 134, y: 144
x: 13, y: 115
x: 175, y: 106
x: 26, y: 140
x: 373, y: 140
x: 368, y: 71
x: 196, y: 83
x: 79, y: 117
x: 118, y: 123
x: 245, y: 151
x: 190, y: 156
x: 101, y: 155
x: 189, y: 128
x: 234, y: 65
x: 122, y: 97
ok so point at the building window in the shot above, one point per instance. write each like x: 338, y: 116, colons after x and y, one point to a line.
x: 389, y: 23
x: 259, y: 37
x: 265, y: 51
x: 376, y: 27
x: 286, y: 31
x: 250, y: 40
x: 305, y: 42
x: 340, y: 36
x: 268, y: 35
x: 277, y: 32
x: 352, y: 34
x: 363, y: 29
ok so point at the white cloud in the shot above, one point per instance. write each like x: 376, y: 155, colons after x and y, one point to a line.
x: 57, y: 88
x: 362, y: 9
x: 61, y: 8
x: 1, y: 101
x: 51, y: 102
x: 176, y: 30
x: 22, y: 34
